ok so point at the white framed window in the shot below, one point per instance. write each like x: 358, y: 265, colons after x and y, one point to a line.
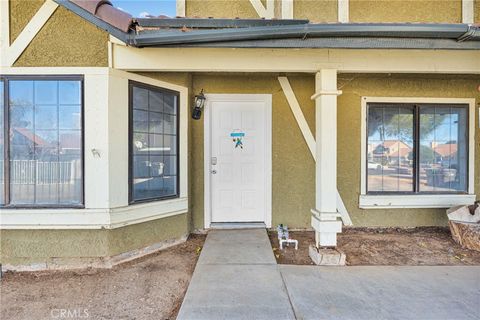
x: 41, y: 141
x: 417, y: 152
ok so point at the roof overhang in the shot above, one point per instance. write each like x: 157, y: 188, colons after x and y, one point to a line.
x: 261, y: 33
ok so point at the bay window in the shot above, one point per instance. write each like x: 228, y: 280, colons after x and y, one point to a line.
x: 417, y: 148
x: 154, y: 143
x: 41, y: 141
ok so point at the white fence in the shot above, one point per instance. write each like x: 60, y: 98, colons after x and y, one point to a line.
x: 43, y: 172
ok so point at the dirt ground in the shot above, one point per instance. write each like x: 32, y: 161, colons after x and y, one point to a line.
x: 388, y: 246
x: 151, y: 287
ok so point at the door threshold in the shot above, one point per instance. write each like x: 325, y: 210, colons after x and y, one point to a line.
x: 238, y: 225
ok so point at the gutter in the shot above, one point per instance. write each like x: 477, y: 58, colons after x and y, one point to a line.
x: 458, y: 32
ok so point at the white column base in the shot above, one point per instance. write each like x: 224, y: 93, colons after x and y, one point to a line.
x: 326, y: 227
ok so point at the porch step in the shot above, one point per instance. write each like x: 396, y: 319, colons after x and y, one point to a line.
x: 238, y: 225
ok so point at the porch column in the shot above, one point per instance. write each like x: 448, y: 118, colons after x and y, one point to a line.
x: 324, y: 216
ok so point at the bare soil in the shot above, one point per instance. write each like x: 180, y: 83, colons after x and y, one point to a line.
x: 386, y: 246
x: 151, y: 287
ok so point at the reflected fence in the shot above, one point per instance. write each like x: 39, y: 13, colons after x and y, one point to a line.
x: 35, y: 172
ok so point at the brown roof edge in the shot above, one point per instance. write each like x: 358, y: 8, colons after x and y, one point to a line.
x: 104, y: 10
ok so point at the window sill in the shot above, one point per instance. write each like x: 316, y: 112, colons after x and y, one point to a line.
x: 414, y: 201
x: 91, y: 218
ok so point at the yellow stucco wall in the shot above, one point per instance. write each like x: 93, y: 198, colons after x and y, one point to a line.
x: 349, y: 121
x: 294, y: 171
x: 66, y: 40
x: 292, y: 164
x: 476, y: 11
x: 220, y: 9
x: 439, y: 11
x: 24, y: 247
x: 316, y: 10
x: 21, y: 11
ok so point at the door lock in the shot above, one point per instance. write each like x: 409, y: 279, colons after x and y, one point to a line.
x: 214, y: 161
x: 214, y: 171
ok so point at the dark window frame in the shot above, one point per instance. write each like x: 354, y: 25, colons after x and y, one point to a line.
x: 132, y: 84
x: 416, y: 146
x: 6, y: 143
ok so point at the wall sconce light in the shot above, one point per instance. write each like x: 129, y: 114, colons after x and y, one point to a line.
x: 198, y: 106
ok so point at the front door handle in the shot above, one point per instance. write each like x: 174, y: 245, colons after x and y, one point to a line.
x: 214, y: 171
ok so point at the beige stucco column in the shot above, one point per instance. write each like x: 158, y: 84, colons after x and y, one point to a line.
x: 324, y: 216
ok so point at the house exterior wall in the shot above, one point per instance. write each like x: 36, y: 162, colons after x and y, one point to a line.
x: 476, y: 11
x: 448, y: 11
x: 294, y: 171
x: 435, y: 11
x: 348, y: 149
x: 21, y: 12
x: 316, y: 11
x: 56, y: 248
x: 65, y: 40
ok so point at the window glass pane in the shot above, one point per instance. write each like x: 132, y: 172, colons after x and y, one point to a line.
x: 154, y: 155
x: 390, y: 148
x: 443, y: 149
x: 45, y: 157
x: 69, y: 92
x: 2, y: 144
x: 155, y: 102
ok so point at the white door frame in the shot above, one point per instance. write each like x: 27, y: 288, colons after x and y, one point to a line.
x: 267, y: 98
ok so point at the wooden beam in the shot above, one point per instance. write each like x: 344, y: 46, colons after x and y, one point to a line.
x: 343, y: 11
x: 4, y: 31
x: 309, y: 139
x: 301, y: 60
x: 30, y: 31
x: 181, y: 8
x: 467, y: 11
x: 267, y: 12
x: 287, y: 9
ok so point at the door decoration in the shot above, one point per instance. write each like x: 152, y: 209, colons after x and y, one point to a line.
x: 237, y: 139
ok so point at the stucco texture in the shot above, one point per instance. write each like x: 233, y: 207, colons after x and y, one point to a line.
x: 348, y: 149
x: 476, y: 12
x: 291, y: 205
x: 21, y: 12
x: 434, y: 11
x: 292, y: 163
x: 23, y: 247
x: 66, y: 40
x: 317, y: 11
x: 220, y: 9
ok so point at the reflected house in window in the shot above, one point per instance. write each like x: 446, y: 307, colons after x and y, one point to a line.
x: 446, y: 154
x: 391, y: 152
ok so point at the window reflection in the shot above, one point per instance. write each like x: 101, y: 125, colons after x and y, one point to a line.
x: 154, y: 144
x: 45, y: 142
x: 443, y: 149
x: 390, y: 149
x: 398, y: 161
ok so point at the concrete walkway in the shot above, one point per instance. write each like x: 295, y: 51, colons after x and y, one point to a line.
x: 237, y: 278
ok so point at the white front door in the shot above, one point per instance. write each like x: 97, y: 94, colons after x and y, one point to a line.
x: 239, y: 161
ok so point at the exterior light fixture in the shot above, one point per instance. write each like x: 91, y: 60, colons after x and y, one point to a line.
x: 198, y: 106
